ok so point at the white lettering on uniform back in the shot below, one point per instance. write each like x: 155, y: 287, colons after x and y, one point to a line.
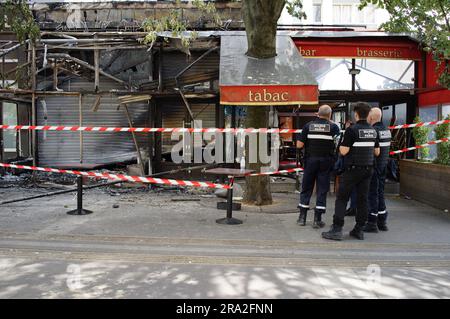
x: 385, y: 134
x: 367, y: 133
x: 323, y: 128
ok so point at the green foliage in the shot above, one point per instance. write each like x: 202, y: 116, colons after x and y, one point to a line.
x: 429, y: 20
x: 443, y: 149
x: 420, y: 134
x: 15, y: 15
x: 176, y: 25
x: 295, y: 9
x: 208, y: 10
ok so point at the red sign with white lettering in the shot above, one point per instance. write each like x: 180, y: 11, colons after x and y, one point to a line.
x: 269, y: 94
x: 358, y: 50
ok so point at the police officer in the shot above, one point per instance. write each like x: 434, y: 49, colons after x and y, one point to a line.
x: 317, y: 138
x: 377, y: 206
x: 358, y: 147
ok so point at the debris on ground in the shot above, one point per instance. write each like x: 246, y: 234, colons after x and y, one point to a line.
x: 52, y: 181
x: 185, y: 199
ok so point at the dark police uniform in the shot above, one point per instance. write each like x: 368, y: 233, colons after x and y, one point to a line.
x: 318, y: 137
x: 377, y: 205
x: 358, y: 168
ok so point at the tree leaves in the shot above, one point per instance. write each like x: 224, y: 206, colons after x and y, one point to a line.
x: 295, y: 9
x: 15, y: 15
x: 428, y: 20
x: 177, y: 25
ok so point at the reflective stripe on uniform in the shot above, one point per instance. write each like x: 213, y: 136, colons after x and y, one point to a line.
x: 363, y: 144
x: 374, y: 214
x: 382, y: 212
x: 320, y: 137
x: 321, y: 207
x: 385, y: 144
x: 303, y: 206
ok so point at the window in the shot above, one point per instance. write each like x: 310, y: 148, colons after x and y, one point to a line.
x: 330, y: 73
x: 445, y: 111
x: 317, y: 13
x: 339, y: 118
x: 400, y: 114
x: 375, y: 75
x: 379, y: 74
x: 387, y: 114
x: 342, y: 13
x: 9, y: 118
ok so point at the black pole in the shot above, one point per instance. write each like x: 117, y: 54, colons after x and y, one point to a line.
x: 80, y: 210
x: 230, y: 202
x: 229, y: 220
x: 353, y: 75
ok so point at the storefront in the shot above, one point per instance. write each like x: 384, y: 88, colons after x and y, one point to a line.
x: 381, y: 69
x: 367, y: 66
x: 218, y: 82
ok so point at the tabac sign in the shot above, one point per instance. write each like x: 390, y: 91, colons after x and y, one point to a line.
x: 282, y: 80
x: 358, y: 50
x: 268, y: 94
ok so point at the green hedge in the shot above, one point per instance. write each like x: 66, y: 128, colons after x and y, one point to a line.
x: 443, y: 149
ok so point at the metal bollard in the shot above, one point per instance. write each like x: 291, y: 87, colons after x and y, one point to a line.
x: 229, y: 220
x: 80, y: 210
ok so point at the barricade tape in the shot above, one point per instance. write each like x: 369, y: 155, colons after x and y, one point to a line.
x: 141, y: 179
x: 148, y: 129
x: 442, y: 140
x: 183, y: 129
x: 120, y: 177
x: 419, y: 124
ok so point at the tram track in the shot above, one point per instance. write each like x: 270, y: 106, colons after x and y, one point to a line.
x: 143, y: 240
x: 220, y: 252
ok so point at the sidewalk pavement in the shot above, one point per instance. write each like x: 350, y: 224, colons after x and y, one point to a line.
x: 169, y: 245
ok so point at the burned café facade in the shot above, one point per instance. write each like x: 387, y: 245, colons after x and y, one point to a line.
x: 111, y: 79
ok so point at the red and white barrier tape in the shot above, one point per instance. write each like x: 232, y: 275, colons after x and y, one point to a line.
x: 181, y: 129
x: 148, y: 129
x: 140, y: 179
x: 442, y: 140
x: 419, y: 124
x: 120, y: 177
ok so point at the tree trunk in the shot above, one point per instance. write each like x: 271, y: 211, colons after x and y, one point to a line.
x: 260, y: 18
x: 257, y: 191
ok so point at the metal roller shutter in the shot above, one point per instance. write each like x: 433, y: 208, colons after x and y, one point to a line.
x: 63, y: 148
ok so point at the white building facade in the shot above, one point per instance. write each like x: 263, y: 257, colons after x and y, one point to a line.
x: 337, y: 12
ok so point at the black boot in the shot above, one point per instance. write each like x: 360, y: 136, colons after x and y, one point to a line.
x: 382, y: 218
x: 371, y: 228
x: 383, y: 227
x: 335, y: 233
x: 357, y: 232
x: 350, y: 212
x: 318, y: 223
x: 302, y: 217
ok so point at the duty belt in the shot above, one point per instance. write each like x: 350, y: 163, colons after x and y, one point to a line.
x: 360, y: 167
